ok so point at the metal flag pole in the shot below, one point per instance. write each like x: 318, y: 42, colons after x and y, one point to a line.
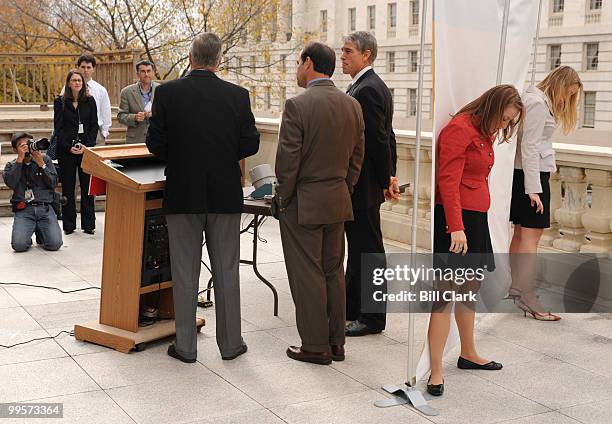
x: 535, y: 45
x: 502, y: 43
x: 409, y: 394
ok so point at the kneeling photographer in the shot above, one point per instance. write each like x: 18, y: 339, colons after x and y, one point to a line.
x: 33, y: 178
x: 76, y: 127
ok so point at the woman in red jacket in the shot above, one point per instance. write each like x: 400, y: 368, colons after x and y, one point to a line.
x: 464, y: 161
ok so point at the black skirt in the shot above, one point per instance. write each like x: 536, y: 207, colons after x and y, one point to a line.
x: 521, y: 211
x: 480, y: 249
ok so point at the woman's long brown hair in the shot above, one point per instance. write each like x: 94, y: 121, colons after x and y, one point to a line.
x: 488, y: 110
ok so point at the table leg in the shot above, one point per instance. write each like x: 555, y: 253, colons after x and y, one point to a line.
x: 255, y: 223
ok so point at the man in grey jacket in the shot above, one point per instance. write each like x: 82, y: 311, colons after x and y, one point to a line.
x: 136, y: 102
x: 33, y: 178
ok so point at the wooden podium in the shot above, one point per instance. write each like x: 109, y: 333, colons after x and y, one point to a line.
x: 134, y: 185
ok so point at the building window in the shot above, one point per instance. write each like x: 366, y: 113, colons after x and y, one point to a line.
x: 274, y: 27
x: 352, y: 19
x: 412, y: 101
x: 414, y: 61
x: 283, y: 62
x: 414, y: 12
x: 554, y: 56
x: 253, y: 98
x: 371, y: 18
x: 595, y: 4
x: 592, y: 56
x: 289, y: 21
x: 283, y: 97
x: 253, y: 64
x: 558, y: 6
x: 392, y: 90
x: 268, y: 104
x: 391, y: 19
x: 323, y: 23
x: 390, y: 61
x: 588, y: 120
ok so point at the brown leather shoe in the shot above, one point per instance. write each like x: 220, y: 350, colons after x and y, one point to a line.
x: 337, y: 352
x: 320, y: 358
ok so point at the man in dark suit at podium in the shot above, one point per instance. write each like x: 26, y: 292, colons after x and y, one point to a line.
x: 203, y: 126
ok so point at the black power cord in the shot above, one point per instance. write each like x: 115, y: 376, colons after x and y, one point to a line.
x: 50, y: 288
x: 70, y: 333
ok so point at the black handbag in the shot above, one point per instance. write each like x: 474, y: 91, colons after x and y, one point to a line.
x: 52, y: 150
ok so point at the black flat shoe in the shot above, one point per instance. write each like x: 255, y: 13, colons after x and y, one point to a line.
x: 464, y: 364
x: 358, y: 329
x: 435, y: 389
x: 68, y: 232
x: 172, y: 352
x: 242, y: 350
x: 89, y: 232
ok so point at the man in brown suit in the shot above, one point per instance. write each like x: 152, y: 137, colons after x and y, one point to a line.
x: 320, y: 151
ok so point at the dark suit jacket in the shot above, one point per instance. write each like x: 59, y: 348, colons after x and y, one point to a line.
x: 66, y: 123
x: 380, y: 149
x: 202, y: 127
x: 319, y: 156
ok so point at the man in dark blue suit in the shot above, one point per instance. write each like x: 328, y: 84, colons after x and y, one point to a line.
x: 376, y: 182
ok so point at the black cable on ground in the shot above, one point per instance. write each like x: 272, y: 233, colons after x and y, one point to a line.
x: 70, y: 333
x: 50, y: 288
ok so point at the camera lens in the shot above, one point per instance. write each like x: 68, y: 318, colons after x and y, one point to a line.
x: 42, y: 144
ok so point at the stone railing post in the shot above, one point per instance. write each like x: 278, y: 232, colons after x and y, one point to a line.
x: 573, y: 207
x: 598, y: 220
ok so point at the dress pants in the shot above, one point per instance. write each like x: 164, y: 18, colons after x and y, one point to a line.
x: 69, y: 165
x: 185, y: 233
x: 314, y: 256
x: 364, y: 235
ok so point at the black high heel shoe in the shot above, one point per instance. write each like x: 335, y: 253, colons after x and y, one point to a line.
x: 435, y: 389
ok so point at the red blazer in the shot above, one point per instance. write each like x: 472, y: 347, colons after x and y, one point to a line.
x: 464, y: 161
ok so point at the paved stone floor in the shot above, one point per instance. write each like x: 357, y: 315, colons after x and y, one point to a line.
x: 554, y: 373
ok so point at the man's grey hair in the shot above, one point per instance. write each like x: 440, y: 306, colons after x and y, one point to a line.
x: 363, y: 40
x: 206, y: 50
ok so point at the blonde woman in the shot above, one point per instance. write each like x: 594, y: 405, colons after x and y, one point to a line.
x: 552, y: 103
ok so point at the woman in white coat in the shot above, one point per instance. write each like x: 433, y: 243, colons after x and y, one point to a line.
x: 551, y: 104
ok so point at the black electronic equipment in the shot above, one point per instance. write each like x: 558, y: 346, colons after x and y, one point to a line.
x: 156, y: 250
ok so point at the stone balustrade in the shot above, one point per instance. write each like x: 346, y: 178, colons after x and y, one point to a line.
x: 581, y: 194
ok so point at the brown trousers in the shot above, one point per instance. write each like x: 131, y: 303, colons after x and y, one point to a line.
x: 314, y: 257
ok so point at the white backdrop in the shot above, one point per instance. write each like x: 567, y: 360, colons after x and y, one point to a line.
x: 467, y: 46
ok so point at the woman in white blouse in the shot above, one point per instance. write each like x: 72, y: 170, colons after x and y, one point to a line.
x: 552, y: 103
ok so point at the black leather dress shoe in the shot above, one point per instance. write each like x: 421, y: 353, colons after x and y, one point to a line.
x: 89, y: 231
x: 357, y: 329
x: 337, y: 352
x: 435, y: 389
x: 465, y: 364
x: 172, y: 352
x: 68, y: 232
x: 319, y: 358
x: 242, y: 350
